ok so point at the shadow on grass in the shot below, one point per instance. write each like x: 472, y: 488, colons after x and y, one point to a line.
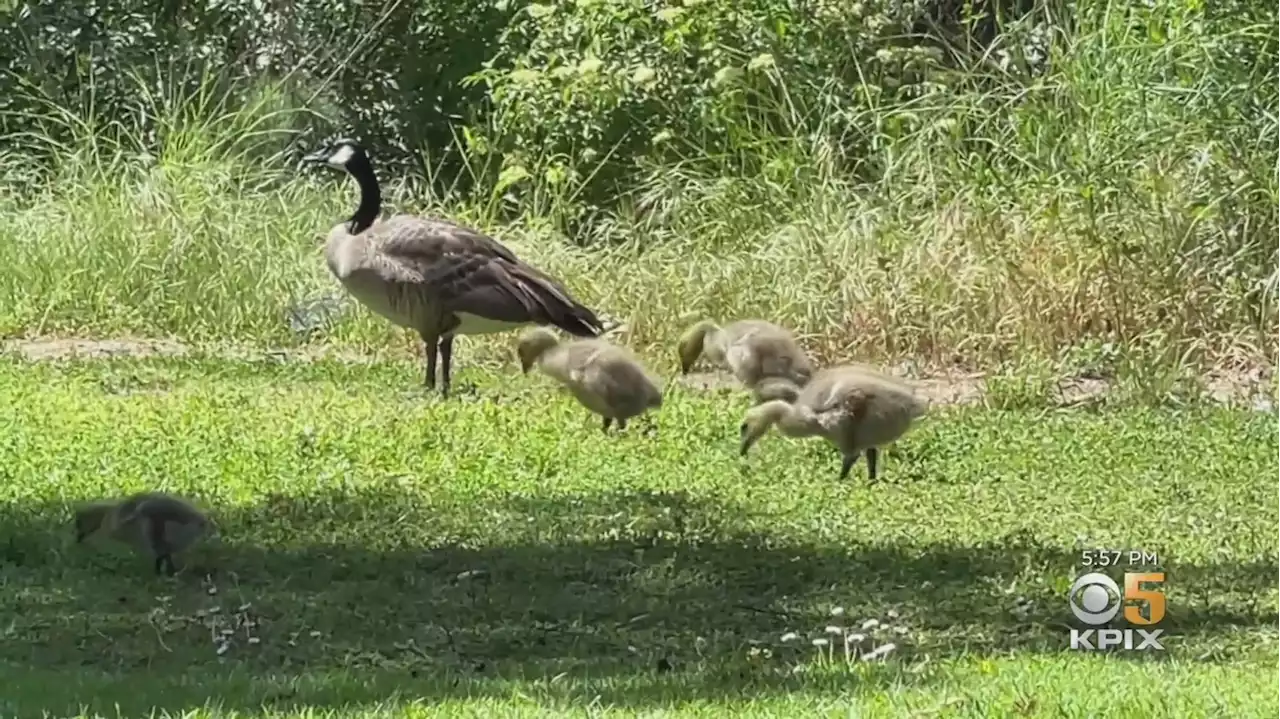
x: 629, y: 598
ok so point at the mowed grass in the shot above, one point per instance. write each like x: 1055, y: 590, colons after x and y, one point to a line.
x: 385, y: 553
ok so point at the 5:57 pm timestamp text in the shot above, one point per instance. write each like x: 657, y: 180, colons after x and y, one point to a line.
x: 1116, y: 557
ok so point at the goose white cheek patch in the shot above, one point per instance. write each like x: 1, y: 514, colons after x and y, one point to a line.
x: 340, y: 158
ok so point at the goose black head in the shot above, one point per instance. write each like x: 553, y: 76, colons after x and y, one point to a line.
x: 343, y: 154
x: 346, y: 154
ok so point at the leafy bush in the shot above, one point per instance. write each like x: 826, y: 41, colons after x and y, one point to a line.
x: 606, y: 82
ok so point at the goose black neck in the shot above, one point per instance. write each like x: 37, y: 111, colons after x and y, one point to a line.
x: 370, y: 195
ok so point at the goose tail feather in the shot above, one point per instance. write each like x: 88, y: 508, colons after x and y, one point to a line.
x: 553, y: 305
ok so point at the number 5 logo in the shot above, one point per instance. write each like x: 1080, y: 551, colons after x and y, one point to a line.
x: 1154, y: 598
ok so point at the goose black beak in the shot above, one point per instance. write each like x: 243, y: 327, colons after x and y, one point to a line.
x: 319, y: 157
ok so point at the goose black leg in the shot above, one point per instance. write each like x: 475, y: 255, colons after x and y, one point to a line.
x: 164, y: 565
x: 622, y: 424
x: 847, y: 464
x: 872, y: 455
x: 607, y: 421
x: 429, y: 346
x: 446, y: 364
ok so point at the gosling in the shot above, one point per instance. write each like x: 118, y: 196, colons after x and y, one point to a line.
x: 853, y: 407
x: 603, y: 377
x: 152, y: 523
x: 764, y: 357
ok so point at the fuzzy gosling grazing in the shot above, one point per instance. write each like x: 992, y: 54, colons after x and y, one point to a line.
x: 436, y: 277
x: 764, y: 357
x: 853, y: 407
x: 604, y: 378
x: 153, y: 523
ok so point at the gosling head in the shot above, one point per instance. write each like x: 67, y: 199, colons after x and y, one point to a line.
x: 773, y: 388
x: 533, y: 344
x: 93, y: 518
x: 344, y: 154
x: 757, y: 421
x: 690, y: 346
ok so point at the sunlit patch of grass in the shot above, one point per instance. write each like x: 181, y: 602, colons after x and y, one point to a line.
x: 384, y: 551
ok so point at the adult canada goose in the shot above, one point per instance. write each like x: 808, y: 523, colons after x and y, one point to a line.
x: 853, y: 407
x: 764, y: 357
x: 436, y: 277
x: 605, y: 378
x: 154, y: 523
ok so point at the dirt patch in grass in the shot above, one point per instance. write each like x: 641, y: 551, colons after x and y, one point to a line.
x: 1251, y: 387
x: 54, y: 349
x: 50, y: 349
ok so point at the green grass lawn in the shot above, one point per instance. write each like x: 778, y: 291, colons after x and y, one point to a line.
x: 387, y: 554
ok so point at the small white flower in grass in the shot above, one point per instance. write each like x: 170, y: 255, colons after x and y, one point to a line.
x: 254, y: 640
x: 879, y: 652
x: 834, y: 630
x: 900, y: 631
x: 870, y: 624
x: 725, y: 75
x: 790, y: 637
x: 761, y: 62
x: 892, y: 613
x: 669, y: 14
x: 837, y: 611
x: 820, y: 642
x: 856, y: 638
x: 223, y: 649
x: 644, y: 75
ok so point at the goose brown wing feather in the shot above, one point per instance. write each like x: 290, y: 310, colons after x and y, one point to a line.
x: 469, y: 271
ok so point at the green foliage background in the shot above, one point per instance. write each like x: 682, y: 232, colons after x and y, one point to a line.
x: 1065, y: 172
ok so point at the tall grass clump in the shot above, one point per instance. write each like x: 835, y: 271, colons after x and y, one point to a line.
x: 173, y: 220
x: 900, y: 192
x: 1108, y: 183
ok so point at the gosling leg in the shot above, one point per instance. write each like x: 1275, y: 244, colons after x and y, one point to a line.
x: 872, y: 455
x: 160, y: 546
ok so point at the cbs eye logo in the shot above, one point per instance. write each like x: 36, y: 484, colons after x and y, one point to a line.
x: 1095, y: 598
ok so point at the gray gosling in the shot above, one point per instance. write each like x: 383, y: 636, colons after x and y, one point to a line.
x: 435, y: 277
x: 764, y: 357
x: 604, y: 378
x: 853, y: 407
x: 153, y: 523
